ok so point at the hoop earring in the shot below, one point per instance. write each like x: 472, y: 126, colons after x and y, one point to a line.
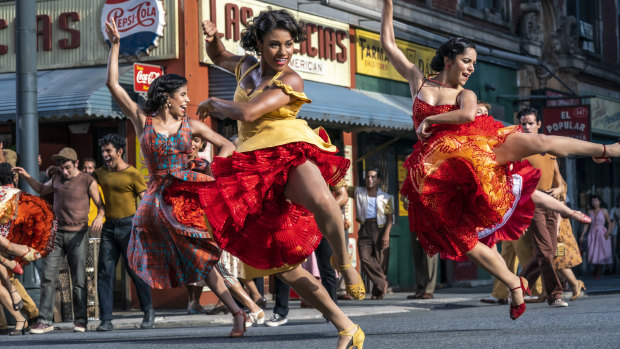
x: 447, y: 66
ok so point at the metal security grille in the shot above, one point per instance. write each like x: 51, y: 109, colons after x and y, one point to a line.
x: 91, y: 279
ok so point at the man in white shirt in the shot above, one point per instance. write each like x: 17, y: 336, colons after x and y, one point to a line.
x: 374, y: 210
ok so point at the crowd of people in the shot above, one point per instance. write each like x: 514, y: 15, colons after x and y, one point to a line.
x: 276, y: 198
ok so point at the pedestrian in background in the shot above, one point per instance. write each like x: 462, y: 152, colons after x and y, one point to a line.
x: 72, y: 190
x: 122, y: 185
x: 374, y: 210
x: 598, y: 240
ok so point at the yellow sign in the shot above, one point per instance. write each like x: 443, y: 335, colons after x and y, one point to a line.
x: 323, y: 56
x: 69, y: 35
x: 402, y: 174
x: 372, y: 60
x: 605, y: 114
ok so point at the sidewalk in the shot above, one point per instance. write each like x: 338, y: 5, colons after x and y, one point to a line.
x: 391, y: 304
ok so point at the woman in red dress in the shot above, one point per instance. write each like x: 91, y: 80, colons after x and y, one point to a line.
x: 466, y: 184
x: 270, y: 201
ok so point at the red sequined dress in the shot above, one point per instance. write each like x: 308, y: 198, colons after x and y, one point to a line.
x: 246, y: 209
x: 458, y: 194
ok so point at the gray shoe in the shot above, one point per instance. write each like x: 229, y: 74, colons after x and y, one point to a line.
x: 558, y: 303
x: 149, y: 319
x: 105, y: 325
x: 276, y: 320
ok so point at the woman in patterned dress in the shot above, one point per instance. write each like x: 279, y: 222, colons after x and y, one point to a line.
x: 466, y: 184
x: 163, y: 255
x: 27, y: 232
x: 270, y: 202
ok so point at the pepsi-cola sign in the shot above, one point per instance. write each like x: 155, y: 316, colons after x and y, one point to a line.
x: 140, y: 24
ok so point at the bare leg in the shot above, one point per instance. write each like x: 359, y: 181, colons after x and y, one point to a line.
x: 313, y: 292
x: 306, y: 186
x: 239, y: 294
x: 570, y: 277
x: 521, y: 145
x: 8, y: 286
x: 7, y: 303
x: 252, y: 289
x: 216, y: 284
x: 484, y: 257
x: 194, y: 293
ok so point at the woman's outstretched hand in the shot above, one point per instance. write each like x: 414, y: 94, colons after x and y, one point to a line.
x: 206, y: 108
x: 112, y: 31
x: 423, y: 131
x: 209, y: 30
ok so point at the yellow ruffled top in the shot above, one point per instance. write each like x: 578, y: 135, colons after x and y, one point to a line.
x: 278, y: 127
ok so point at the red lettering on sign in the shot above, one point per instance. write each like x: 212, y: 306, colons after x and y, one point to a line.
x: 44, y: 29
x: 342, y: 56
x: 311, y: 50
x: 63, y: 23
x: 231, y: 14
x: 3, y: 48
x: 330, y: 43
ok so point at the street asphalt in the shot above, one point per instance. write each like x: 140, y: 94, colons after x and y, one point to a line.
x: 454, y: 319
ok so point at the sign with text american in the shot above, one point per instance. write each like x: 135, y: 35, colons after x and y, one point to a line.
x: 324, y: 56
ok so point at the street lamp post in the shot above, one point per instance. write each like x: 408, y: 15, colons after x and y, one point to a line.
x: 26, y: 80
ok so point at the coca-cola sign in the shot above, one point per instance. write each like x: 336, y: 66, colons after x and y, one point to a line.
x: 140, y: 24
x: 143, y: 76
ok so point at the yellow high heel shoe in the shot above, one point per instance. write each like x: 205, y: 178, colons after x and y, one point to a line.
x: 357, y: 290
x: 358, y: 337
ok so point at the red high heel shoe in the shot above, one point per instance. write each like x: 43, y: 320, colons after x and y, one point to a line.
x: 518, y: 310
x: 602, y: 159
x: 239, y: 333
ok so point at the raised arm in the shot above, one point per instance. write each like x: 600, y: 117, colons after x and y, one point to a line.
x: 200, y: 129
x: 271, y: 99
x: 216, y: 50
x: 466, y: 113
x: 121, y: 97
x: 403, y: 66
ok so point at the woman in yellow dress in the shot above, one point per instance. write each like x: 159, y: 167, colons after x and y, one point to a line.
x: 269, y: 204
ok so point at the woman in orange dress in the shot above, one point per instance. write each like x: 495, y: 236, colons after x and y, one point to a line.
x: 466, y: 184
x: 27, y: 232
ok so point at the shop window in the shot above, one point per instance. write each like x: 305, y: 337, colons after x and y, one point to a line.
x: 494, y: 11
x: 585, y: 11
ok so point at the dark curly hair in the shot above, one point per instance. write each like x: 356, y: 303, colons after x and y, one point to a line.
x: 160, y: 90
x: 117, y: 141
x: 266, y: 22
x: 603, y: 203
x: 527, y: 111
x: 450, y: 49
x: 6, y: 174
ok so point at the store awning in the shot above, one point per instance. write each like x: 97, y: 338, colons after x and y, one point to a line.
x: 78, y: 93
x: 335, y: 104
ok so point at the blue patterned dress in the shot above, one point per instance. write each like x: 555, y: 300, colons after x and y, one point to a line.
x: 160, y: 252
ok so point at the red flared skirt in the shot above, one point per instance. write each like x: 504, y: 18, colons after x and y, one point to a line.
x: 246, y: 209
x: 458, y: 194
x: 34, y: 226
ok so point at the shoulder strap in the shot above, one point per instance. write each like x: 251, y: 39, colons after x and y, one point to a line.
x: 238, y: 70
x: 419, y: 88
